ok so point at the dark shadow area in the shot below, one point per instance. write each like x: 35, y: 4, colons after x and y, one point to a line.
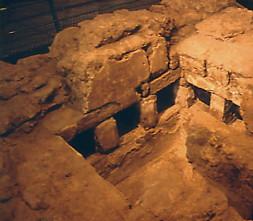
x: 128, y: 119
x: 203, y: 95
x: 84, y: 143
x: 231, y: 112
x: 166, y: 97
x: 29, y: 24
x: 246, y: 3
x: 15, y: 57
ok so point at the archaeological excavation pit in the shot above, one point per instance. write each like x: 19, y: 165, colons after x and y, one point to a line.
x: 126, y: 110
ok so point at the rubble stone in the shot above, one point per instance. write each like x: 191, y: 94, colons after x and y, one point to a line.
x: 164, y: 80
x: 225, y: 52
x: 105, y: 76
x: 72, y: 185
x: 28, y: 90
x: 162, y: 171
x: 126, y: 47
x: 193, y: 11
x: 110, y: 28
x: 107, y: 136
x: 217, y: 105
x: 247, y: 112
x: 158, y: 57
x: 185, y: 96
x: 225, y: 160
x: 149, y: 115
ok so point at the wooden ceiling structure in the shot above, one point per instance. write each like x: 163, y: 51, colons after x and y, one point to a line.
x: 29, y: 26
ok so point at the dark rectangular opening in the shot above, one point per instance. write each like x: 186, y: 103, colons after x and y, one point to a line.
x: 166, y: 97
x: 246, y: 3
x: 128, y: 119
x: 231, y: 112
x: 202, y: 95
x: 84, y: 143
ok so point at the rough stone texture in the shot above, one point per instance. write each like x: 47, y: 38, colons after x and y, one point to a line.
x: 157, y: 162
x: 223, y: 154
x: 109, y: 29
x: 247, y: 111
x: 73, y: 187
x: 65, y: 43
x: 183, y: 194
x: 63, y: 122
x: 149, y: 115
x: 216, y: 58
x: 107, y: 136
x: 163, y: 81
x: 192, y: 11
x: 114, y: 55
x: 158, y: 57
x: 217, y: 105
x: 185, y: 96
x: 27, y: 91
x: 109, y: 63
x: 67, y: 122
x: 105, y: 80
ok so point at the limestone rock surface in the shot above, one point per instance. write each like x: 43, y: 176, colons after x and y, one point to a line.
x: 216, y: 57
x: 193, y: 11
x: 224, y: 155
x: 126, y: 48
x: 73, y: 187
x: 28, y: 90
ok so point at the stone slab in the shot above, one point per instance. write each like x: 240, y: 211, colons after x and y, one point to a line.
x: 163, y: 81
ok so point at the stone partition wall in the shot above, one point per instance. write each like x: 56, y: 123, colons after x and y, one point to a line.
x: 122, y: 62
x: 110, y: 64
x: 216, y: 58
x: 103, y: 65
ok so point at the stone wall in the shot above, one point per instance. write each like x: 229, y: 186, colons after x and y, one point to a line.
x: 216, y: 59
x: 122, y: 63
x: 128, y: 58
x: 152, y: 62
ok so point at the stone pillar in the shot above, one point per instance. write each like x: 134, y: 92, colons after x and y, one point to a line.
x: 217, y: 106
x: 185, y: 95
x: 148, y: 109
x: 107, y: 136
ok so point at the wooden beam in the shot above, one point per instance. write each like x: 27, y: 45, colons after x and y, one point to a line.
x: 54, y: 15
x: 3, y: 10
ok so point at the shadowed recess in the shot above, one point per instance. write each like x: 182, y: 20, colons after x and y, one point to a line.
x: 203, y: 95
x: 166, y: 97
x: 84, y: 143
x: 246, y: 3
x: 128, y: 119
x: 231, y: 112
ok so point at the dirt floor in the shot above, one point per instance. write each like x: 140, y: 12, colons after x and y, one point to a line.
x: 154, y: 176
x: 134, y: 120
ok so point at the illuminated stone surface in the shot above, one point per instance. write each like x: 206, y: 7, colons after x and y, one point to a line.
x: 182, y: 164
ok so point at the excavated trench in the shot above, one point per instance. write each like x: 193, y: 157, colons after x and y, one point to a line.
x: 128, y: 159
x: 178, y: 152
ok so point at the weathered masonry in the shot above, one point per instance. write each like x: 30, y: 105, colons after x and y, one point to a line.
x: 131, y: 71
x: 122, y: 79
x: 220, y: 79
